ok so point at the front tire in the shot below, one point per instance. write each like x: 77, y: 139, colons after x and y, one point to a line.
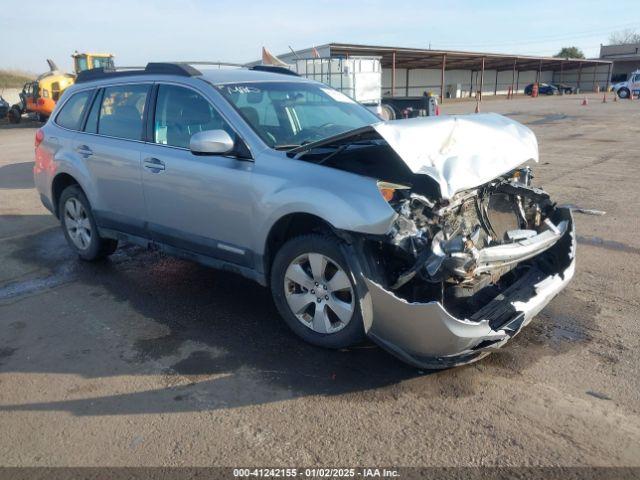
x: 623, y: 93
x: 315, y: 293
x: 79, y: 226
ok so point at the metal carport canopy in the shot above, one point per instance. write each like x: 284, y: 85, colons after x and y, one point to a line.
x: 459, y: 60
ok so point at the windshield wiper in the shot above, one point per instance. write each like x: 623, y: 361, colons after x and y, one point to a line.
x: 285, y: 146
x: 354, y: 135
x: 341, y: 148
x: 292, y: 146
x: 338, y: 150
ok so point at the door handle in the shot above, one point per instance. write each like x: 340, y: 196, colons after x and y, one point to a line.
x: 153, y: 164
x: 84, y: 150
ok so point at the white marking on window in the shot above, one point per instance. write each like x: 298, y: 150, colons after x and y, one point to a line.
x: 337, y: 96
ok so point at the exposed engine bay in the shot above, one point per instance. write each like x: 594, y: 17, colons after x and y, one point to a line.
x: 460, y: 251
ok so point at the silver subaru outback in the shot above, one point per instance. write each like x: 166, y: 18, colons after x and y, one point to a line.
x: 425, y: 234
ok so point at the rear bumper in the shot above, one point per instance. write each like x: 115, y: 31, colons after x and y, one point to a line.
x: 47, y: 203
x: 428, y: 336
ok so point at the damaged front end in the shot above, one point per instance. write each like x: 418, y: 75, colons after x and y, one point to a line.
x: 455, y: 278
x: 474, y: 251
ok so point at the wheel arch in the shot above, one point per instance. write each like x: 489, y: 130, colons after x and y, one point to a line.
x: 290, y: 226
x: 61, y: 181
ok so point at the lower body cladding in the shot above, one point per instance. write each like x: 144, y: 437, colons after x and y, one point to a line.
x: 427, y: 335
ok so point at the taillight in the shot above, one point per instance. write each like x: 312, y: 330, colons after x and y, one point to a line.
x: 39, y: 137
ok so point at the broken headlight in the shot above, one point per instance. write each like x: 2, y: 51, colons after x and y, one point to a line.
x: 388, y: 190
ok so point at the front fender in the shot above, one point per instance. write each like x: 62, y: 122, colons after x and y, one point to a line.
x: 361, y: 211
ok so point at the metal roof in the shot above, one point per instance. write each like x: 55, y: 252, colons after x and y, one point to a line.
x: 458, y: 60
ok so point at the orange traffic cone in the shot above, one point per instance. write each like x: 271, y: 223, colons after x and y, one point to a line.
x: 615, y: 97
x: 604, y: 98
x: 585, y: 102
x: 477, y: 107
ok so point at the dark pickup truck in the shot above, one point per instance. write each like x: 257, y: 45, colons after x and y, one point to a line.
x: 410, y: 107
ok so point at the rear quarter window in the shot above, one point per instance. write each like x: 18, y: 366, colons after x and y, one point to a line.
x: 73, y: 110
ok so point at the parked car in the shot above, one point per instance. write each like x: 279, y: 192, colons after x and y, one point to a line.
x: 543, y: 89
x: 424, y: 234
x: 564, y: 88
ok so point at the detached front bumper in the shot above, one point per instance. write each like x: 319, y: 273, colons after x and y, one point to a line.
x: 427, y: 336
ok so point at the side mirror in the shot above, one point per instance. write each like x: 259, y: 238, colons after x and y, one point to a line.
x: 213, y: 142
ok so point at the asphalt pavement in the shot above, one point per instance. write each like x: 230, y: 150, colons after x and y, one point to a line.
x: 148, y: 360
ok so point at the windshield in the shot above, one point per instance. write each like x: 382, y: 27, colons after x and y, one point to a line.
x: 290, y: 114
x: 104, y: 62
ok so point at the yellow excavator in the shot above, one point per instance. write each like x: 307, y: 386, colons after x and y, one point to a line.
x: 40, y: 96
x: 87, y: 61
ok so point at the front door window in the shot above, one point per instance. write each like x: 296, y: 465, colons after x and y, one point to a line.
x: 181, y: 112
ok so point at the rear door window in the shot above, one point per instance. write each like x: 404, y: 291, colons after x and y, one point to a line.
x: 121, y: 111
x: 73, y: 110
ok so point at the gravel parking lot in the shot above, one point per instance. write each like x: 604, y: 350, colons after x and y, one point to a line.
x: 150, y: 360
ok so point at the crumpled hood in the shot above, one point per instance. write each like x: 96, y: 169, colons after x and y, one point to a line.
x: 460, y: 151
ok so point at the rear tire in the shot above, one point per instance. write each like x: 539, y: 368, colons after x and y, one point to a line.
x: 327, y: 289
x: 80, y: 228
x: 388, y: 113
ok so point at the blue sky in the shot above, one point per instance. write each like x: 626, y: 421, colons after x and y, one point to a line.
x: 141, y: 31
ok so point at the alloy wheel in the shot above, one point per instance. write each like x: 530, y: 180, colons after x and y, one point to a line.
x: 319, y: 293
x: 77, y: 223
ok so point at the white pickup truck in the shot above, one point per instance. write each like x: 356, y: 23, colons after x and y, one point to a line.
x: 624, y: 89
